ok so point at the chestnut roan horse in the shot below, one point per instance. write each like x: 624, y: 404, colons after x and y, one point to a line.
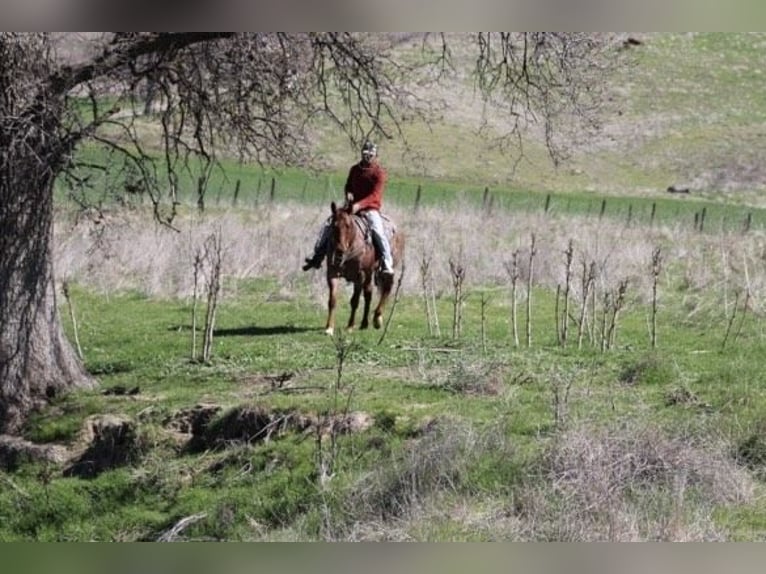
x: 354, y: 259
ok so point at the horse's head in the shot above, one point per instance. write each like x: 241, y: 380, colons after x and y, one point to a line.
x: 343, y: 232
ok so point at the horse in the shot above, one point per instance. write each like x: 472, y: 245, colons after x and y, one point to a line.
x: 353, y: 258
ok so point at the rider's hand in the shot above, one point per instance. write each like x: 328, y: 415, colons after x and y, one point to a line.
x: 349, y: 198
x: 354, y: 208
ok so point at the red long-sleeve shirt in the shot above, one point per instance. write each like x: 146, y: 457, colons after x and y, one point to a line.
x: 366, y: 184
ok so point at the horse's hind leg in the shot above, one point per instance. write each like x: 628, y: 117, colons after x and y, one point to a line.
x: 367, y: 301
x: 354, y: 305
x: 386, y: 284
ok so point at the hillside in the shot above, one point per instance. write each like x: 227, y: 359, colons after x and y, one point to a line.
x: 687, y: 110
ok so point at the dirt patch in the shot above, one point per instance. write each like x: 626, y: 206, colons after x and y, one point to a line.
x: 15, y: 451
x: 208, y: 428
x: 112, y: 441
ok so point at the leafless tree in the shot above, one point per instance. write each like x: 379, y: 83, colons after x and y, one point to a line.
x: 253, y: 96
x: 550, y: 80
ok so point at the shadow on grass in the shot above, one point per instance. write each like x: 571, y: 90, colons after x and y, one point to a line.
x: 254, y: 330
x: 109, y: 368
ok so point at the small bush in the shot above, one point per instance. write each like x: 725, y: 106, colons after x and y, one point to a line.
x: 751, y: 451
x: 651, y: 369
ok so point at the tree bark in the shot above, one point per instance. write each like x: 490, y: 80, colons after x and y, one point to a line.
x: 37, y: 362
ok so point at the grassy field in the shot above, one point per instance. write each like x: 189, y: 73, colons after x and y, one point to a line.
x: 418, y: 433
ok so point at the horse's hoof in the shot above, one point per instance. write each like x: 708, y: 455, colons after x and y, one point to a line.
x: 377, y: 321
x: 363, y: 326
x: 350, y: 329
x: 329, y: 331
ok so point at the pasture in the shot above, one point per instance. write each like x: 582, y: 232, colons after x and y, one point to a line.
x: 429, y: 434
x: 571, y: 354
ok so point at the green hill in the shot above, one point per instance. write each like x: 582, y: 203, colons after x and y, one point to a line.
x: 685, y: 109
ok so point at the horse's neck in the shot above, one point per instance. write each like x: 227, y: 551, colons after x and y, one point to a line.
x: 360, y: 226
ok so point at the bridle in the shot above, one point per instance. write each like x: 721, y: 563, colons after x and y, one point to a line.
x: 341, y: 256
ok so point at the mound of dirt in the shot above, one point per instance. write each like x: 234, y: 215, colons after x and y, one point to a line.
x: 112, y: 441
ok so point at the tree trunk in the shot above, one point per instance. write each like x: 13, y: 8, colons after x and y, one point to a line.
x: 37, y: 362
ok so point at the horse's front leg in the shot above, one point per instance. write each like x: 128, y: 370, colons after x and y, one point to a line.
x: 354, y: 305
x: 367, y: 301
x: 332, y: 299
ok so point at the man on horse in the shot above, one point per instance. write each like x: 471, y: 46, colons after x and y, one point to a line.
x: 364, y: 190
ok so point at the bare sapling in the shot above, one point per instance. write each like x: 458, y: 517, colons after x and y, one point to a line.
x: 532, y: 252
x: 214, y: 257
x: 560, y: 385
x: 394, y: 302
x: 330, y: 424
x: 618, y: 302
x: 457, y: 270
x: 606, y: 304
x: 197, y: 267
x: 512, y: 269
x: 745, y: 307
x: 556, y: 315
x: 429, y: 297
x: 70, y: 305
x: 656, y: 270
x: 593, y: 319
x: 569, y: 254
x: 748, y: 297
x: 588, y: 279
x: 484, y: 302
x: 733, y: 316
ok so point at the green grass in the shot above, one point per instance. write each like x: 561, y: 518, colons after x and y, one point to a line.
x: 258, y: 187
x: 248, y: 491
x: 462, y: 429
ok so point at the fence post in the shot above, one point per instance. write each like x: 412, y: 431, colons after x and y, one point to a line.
x: 702, y: 218
x: 236, y: 193
x: 603, y: 209
x: 273, y: 189
x: 417, y: 199
x: 547, y: 203
x: 654, y: 211
x: 748, y: 221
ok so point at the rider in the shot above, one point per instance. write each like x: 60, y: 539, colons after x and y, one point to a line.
x: 364, y: 193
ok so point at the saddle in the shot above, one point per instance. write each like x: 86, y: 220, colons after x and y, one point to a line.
x: 389, y: 227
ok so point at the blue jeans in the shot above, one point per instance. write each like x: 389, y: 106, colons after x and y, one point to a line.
x: 379, y: 239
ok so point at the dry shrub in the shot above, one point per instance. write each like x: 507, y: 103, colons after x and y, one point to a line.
x: 436, y: 464
x: 633, y: 483
x: 127, y: 250
x: 472, y: 378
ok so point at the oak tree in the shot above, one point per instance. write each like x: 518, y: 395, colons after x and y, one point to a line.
x: 169, y: 104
